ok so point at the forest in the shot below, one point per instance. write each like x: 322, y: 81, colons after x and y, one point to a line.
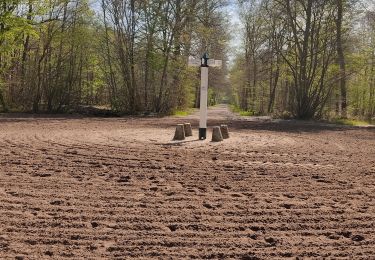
x: 297, y: 58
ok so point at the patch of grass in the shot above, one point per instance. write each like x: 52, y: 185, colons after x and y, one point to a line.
x: 235, y: 109
x: 241, y: 112
x: 246, y: 113
x: 182, y: 112
x: 351, y: 122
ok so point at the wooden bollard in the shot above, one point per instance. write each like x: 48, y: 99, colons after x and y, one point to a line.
x: 179, y: 133
x: 216, y: 134
x: 224, y: 131
x: 187, y: 128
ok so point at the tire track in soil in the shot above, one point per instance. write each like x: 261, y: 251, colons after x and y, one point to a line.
x: 71, y: 190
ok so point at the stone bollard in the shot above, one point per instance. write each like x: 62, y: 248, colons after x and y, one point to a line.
x: 179, y: 133
x: 224, y: 131
x: 216, y: 134
x: 187, y: 128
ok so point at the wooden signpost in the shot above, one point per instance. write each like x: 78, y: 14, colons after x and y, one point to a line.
x: 204, y: 63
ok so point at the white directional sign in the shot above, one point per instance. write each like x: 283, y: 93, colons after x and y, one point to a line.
x: 194, y: 62
x: 214, y: 63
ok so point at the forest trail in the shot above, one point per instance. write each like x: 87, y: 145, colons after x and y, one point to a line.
x: 217, y: 113
x: 120, y: 188
x: 223, y: 113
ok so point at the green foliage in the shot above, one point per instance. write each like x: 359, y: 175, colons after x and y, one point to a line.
x: 57, y: 55
x: 241, y: 112
x: 12, y: 31
x: 288, y: 65
x: 352, y: 122
x: 182, y: 113
x: 188, y: 83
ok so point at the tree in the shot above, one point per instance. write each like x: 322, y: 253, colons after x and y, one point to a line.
x: 11, y: 29
x: 341, y: 56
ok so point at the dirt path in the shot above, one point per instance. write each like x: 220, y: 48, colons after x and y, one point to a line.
x: 90, y: 188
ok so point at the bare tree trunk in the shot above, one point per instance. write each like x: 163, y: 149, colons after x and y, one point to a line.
x: 372, y: 88
x: 133, y: 90
x: 111, y: 80
x: 341, y: 59
x: 2, y: 101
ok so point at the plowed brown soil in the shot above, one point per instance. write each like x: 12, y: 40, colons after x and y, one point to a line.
x: 93, y: 188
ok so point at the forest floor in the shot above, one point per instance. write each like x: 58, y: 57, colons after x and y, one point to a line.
x: 75, y: 187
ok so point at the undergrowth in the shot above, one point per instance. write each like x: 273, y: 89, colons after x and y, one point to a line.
x: 241, y: 112
x: 352, y: 122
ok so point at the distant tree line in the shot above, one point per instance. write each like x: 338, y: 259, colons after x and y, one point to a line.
x: 306, y: 58
x: 128, y: 55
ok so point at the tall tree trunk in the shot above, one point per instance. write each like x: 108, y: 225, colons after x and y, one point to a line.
x: 371, y: 86
x: 341, y: 59
x: 133, y: 89
x: 111, y: 78
x: 2, y: 101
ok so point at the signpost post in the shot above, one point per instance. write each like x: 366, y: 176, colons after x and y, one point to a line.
x: 204, y: 63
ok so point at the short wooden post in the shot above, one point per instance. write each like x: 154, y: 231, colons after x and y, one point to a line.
x: 179, y: 133
x: 224, y: 131
x: 188, y: 130
x: 216, y: 134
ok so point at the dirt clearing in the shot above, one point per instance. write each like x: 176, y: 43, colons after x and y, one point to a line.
x: 120, y: 188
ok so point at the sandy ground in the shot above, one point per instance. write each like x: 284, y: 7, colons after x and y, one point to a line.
x: 94, y: 188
